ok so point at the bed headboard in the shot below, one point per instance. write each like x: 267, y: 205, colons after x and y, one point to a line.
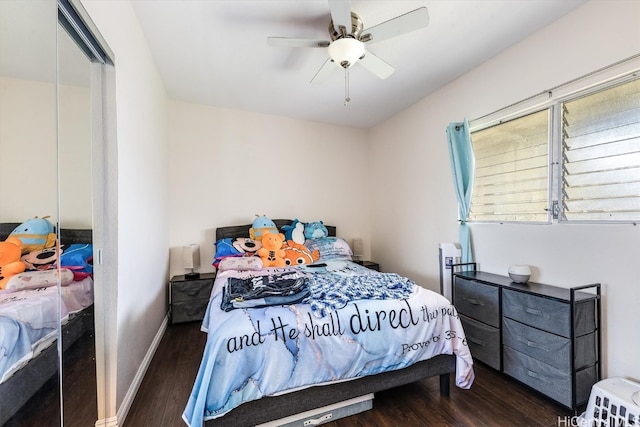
x: 243, y: 230
x: 68, y: 236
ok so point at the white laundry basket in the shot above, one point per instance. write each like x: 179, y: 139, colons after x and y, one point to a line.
x: 613, y: 402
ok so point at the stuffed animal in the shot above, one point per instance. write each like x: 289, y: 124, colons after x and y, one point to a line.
x: 297, y: 254
x: 271, y: 252
x: 294, y: 232
x: 78, y: 257
x: 235, y: 247
x: 43, y: 259
x: 246, y: 245
x: 315, y: 230
x: 35, y: 234
x: 260, y: 225
x: 10, y: 263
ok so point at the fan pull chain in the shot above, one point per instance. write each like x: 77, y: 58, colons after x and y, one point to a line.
x: 346, y: 86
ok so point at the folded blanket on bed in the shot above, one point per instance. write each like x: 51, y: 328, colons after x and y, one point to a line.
x: 330, y: 292
x: 263, y: 291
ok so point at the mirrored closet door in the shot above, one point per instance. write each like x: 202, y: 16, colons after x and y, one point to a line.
x: 50, y: 138
x: 28, y: 188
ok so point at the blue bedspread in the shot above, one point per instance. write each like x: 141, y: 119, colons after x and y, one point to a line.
x: 251, y: 353
x: 26, y: 318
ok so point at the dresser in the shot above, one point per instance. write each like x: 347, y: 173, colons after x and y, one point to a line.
x: 189, y: 297
x: 545, y: 337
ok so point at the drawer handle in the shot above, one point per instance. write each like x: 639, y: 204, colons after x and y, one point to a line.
x: 532, y: 344
x: 536, y: 375
x: 473, y: 301
x: 476, y: 341
x: 534, y: 311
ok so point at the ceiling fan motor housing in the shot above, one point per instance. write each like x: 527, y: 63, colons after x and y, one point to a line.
x: 356, y: 29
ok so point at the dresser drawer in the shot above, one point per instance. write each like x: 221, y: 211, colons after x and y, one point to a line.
x: 188, y: 311
x: 190, y: 290
x: 548, y: 380
x: 483, y: 341
x: 478, y: 301
x: 549, y: 348
x: 548, y: 314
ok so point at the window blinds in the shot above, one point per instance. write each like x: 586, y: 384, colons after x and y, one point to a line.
x: 512, y: 170
x: 601, y: 155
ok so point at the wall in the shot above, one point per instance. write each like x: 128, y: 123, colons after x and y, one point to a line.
x: 412, y: 146
x: 228, y: 165
x: 142, y: 204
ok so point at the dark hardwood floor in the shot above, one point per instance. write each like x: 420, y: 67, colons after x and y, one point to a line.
x: 493, y: 400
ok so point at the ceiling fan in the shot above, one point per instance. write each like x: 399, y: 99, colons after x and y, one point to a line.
x: 349, y: 39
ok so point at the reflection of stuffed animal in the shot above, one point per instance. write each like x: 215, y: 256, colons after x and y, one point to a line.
x: 10, y: 263
x: 297, y: 254
x: 78, y: 258
x: 42, y: 259
x: 315, y: 230
x: 294, y: 232
x: 35, y: 234
x: 271, y: 252
x: 260, y: 225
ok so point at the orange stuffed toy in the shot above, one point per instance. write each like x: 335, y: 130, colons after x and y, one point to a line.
x: 271, y: 252
x: 297, y: 254
x: 10, y: 264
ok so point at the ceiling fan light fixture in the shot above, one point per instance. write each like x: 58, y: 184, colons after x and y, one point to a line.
x: 346, y: 51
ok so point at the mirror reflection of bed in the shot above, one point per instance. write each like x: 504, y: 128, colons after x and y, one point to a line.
x: 45, y: 170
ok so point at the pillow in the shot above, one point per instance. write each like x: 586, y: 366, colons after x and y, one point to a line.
x: 331, y: 248
x: 38, y: 279
x: 240, y: 263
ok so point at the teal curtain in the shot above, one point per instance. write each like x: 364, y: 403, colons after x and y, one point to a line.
x: 462, y: 167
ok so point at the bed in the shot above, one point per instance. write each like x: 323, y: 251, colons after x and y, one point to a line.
x: 356, y: 332
x: 28, y: 328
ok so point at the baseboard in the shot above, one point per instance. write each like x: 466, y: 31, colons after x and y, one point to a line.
x: 123, y: 410
x: 107, y: 422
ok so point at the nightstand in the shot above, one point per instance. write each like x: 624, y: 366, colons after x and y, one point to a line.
x: 189, y: 297
x: 369, y: 264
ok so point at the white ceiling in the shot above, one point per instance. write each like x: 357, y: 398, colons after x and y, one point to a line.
x: 215, y: 52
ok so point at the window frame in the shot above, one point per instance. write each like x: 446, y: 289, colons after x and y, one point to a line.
x: 553, y: 99
x: 561, y: 217
x: 550, y: 156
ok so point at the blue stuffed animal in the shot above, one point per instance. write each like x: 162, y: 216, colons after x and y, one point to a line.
x: 294, y: 232
x: 35, y: 234
x: 260, y: 225
x: 315, y: 230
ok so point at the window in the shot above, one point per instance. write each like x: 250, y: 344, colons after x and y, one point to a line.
x: 601, y: 155
x: 512, y: 170
x: 586, y: 142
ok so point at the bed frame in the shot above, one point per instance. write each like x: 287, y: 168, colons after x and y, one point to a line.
x: 23, y: 384
x: 276, y: 407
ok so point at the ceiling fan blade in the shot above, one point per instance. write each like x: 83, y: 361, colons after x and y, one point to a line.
x: 340, y: 14
x: 325, y: 71
x: 399, y: 25
x: 376, y: 65
x: 289, y: 42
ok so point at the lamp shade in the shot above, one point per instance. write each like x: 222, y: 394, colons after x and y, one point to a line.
x: 191, y: 256
x: 356, y: 247
x: 346, y: 51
